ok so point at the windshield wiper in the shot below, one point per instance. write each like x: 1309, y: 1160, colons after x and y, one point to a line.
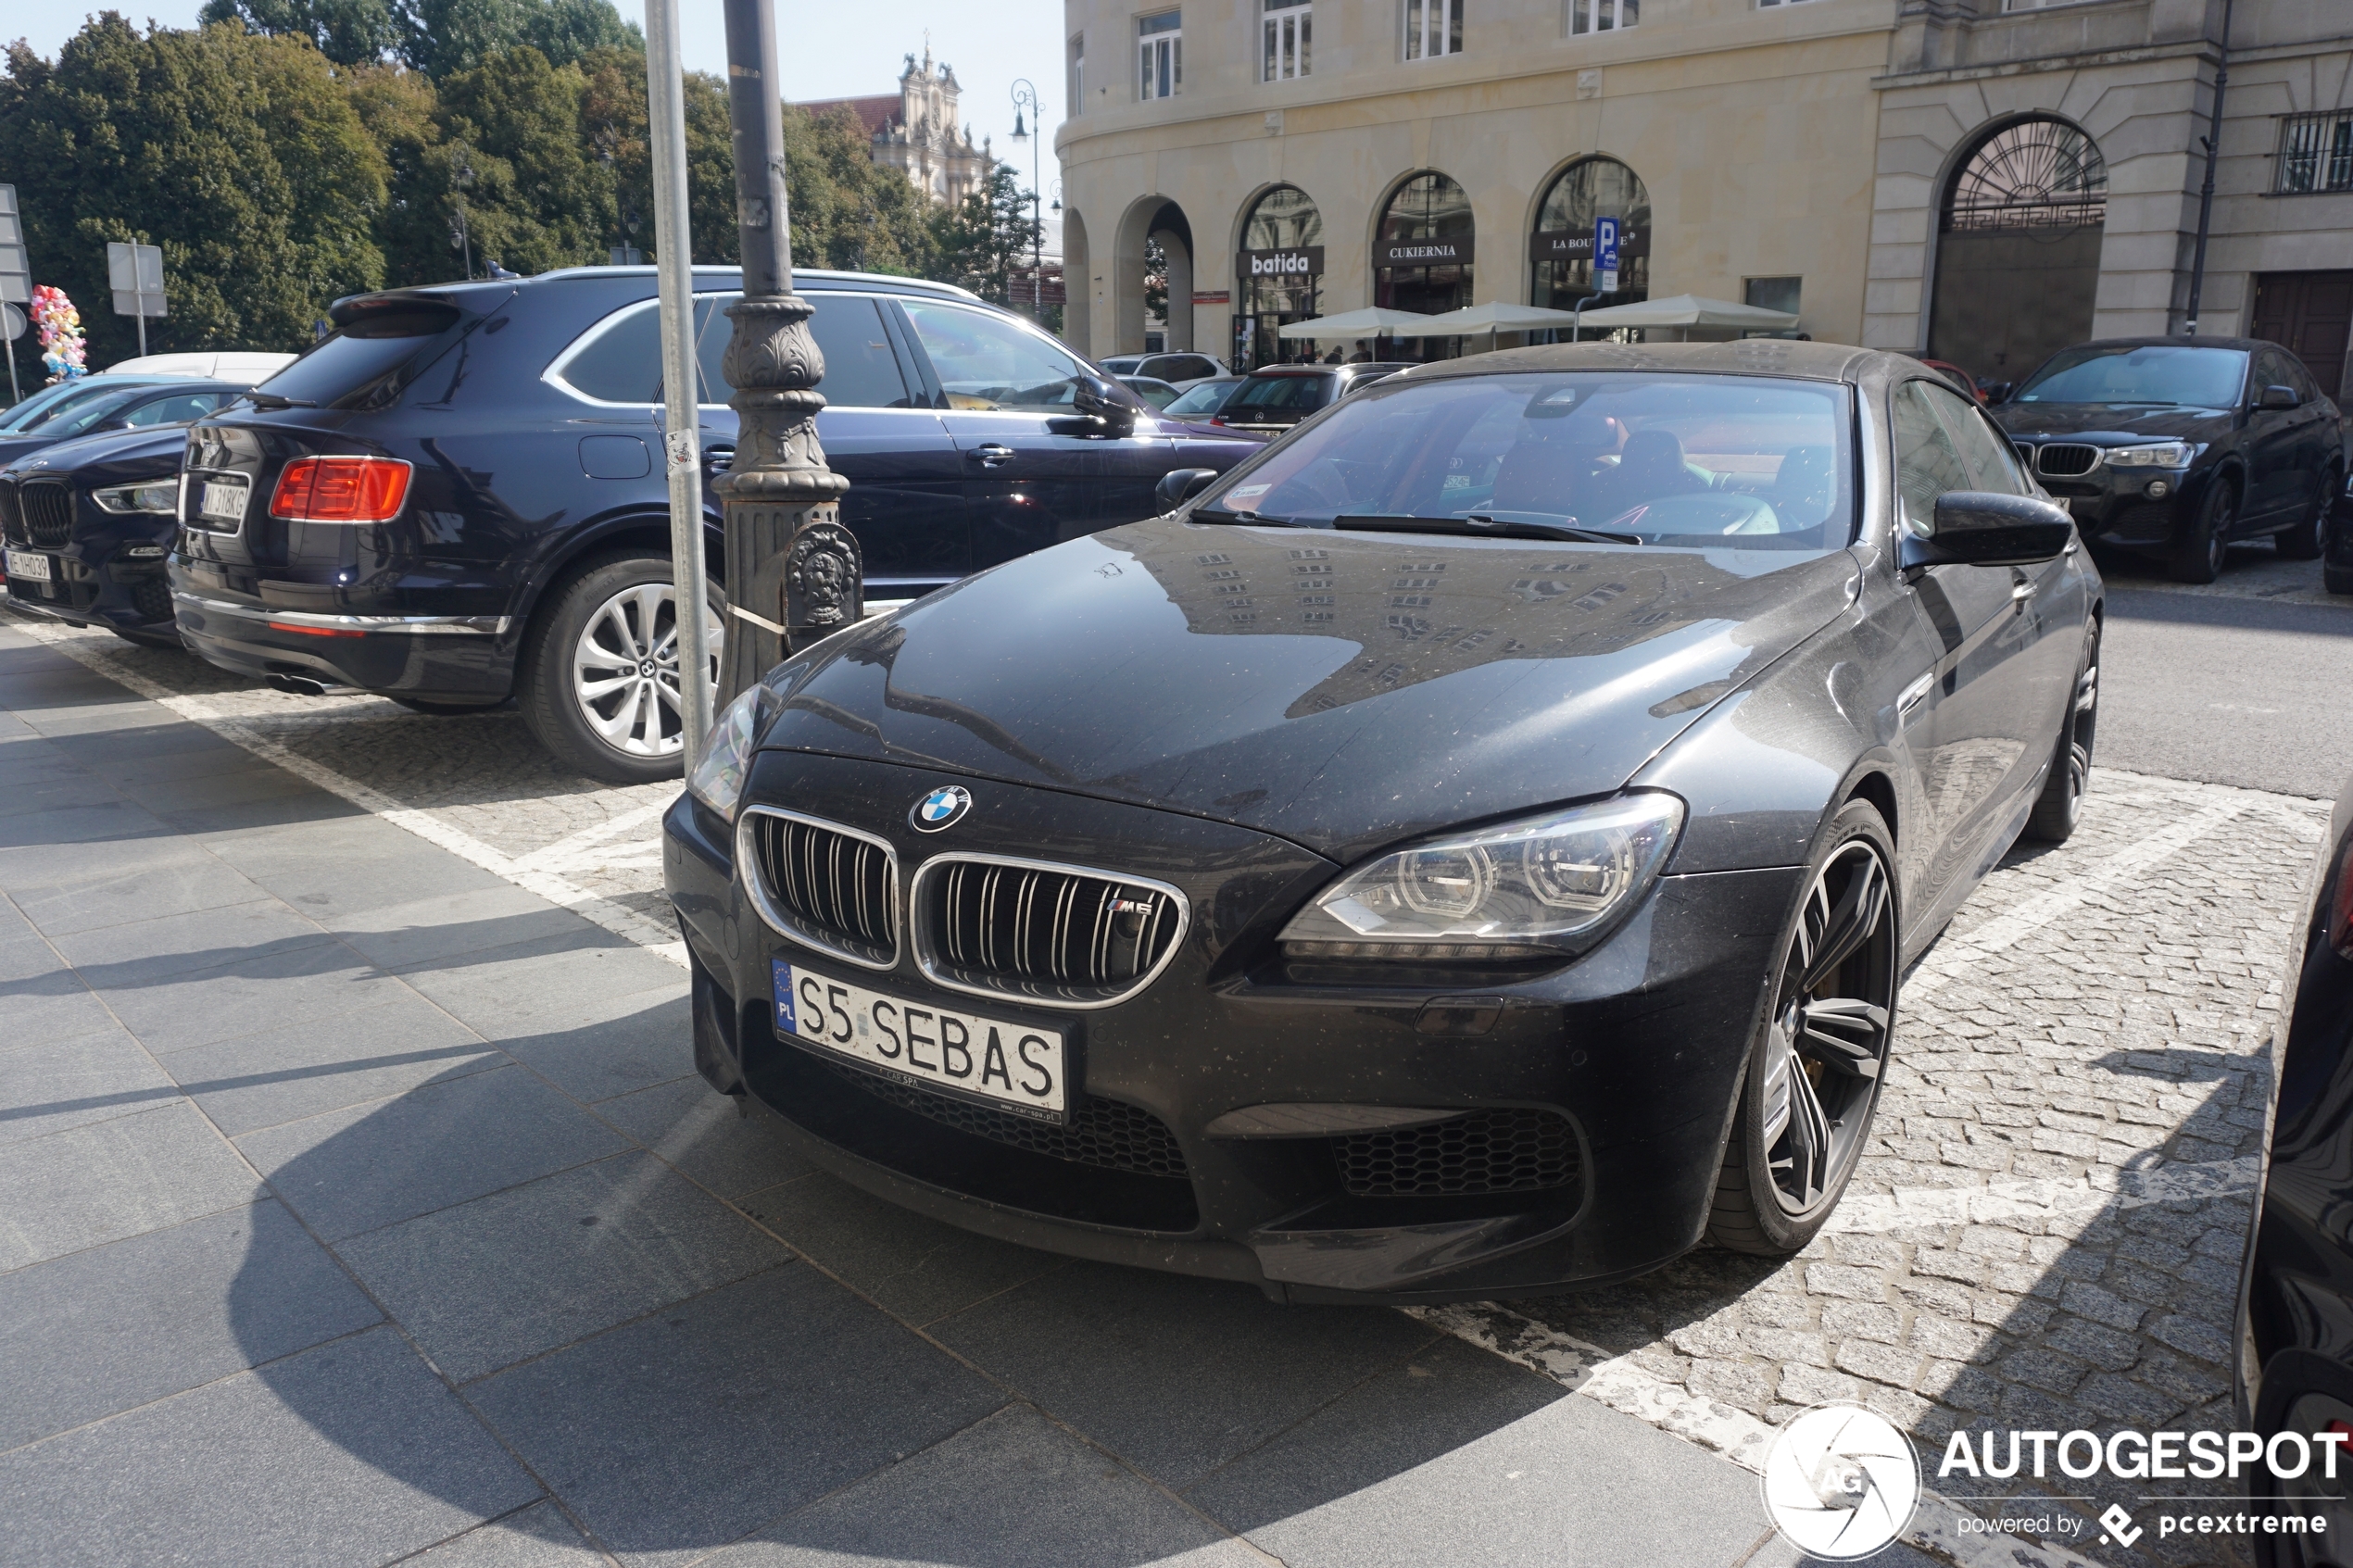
x: 275, y: 400
x: 1248, y: 519
x: 1484, y: 528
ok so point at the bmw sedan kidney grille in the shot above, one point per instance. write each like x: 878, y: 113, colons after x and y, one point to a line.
x: 827, y: 887
x: 49, y: 514
x: 1517, y: 1149
x: 2066, y: 459
x: 1062, y: 936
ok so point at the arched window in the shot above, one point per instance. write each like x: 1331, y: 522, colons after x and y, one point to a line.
x: 2018, y: 251
x: 1280, y: 272
x: 1422, y: 260
x: 1562, y: 247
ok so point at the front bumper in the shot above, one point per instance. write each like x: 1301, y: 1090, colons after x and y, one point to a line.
x: 1633, y: 1053
x: 443, y: 657
x: 2114, y: 507
x: 124, y: 596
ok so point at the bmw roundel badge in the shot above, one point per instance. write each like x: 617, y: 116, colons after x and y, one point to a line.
x: 943, y: 807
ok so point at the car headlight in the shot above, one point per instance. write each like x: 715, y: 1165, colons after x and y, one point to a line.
x: 160, y: 496
x: 1532, y: 889
x: 718, y: 778
x: 2161, y: 454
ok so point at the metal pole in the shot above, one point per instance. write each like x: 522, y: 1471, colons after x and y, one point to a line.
x: 793, y: 573
x: 682, y: 445
x: 1576, y: 317
x: 2206, y: 191
x: 1025, y: 93
x: 142, y: 332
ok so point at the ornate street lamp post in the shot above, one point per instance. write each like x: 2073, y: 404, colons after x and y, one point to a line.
x: 1026, y: 97
x: 794, y: 573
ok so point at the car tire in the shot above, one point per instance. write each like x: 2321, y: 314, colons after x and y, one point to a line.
x: 2061, y: 802
x: 621, y: 725
x: 2197, y: 555
x: 2309, y: 537
x: 1795, y: 1143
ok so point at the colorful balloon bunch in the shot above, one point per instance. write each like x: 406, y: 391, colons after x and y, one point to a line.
x: 61, y: 343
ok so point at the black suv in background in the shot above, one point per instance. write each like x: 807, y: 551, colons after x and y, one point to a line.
x: 86, y: 522
x: 457, y: 496
x: 2176, y: 447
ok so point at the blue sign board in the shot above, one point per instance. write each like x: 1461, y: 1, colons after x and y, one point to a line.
x: 1605, y: 254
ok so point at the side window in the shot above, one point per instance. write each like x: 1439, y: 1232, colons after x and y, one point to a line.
x: 985, y: 362
x: 620, y: 361
x: 172, y: 410
x: 860, y: 370
x: 2271, y: 368
x: 1190, y: 366
x: 1991, y: 461
x: 1927, y: 463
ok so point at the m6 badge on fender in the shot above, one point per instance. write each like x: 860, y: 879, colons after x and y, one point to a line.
x: 943, y: 807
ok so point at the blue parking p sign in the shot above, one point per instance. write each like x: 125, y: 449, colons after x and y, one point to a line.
x: 1605, y: 254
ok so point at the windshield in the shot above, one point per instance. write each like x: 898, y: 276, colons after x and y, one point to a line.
x: 1747, y: 462
x: 1296, y: 395
x: 359, y: 364
x: 1207, y: 398
x: 51, y: 401
x: 2161, y: 374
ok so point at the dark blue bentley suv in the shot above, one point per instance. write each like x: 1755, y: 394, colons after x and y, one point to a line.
x: 455, y: 498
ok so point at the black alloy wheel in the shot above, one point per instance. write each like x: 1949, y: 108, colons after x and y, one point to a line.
x: 1815, y: 1070
x: 2062, y: 803
x: 2198, y: 554
x: 2309, y: 537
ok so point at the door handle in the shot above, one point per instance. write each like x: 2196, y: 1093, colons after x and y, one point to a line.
x: 719, y: 458
x: 993, y: 456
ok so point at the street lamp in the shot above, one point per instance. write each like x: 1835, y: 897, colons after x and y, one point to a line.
x: 1025, y: 95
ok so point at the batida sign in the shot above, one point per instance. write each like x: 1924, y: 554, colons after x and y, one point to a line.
x: 1301, y: 262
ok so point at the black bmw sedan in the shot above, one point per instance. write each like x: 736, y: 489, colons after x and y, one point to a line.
x: 454, y: 500
x: 1467, y: 849
x: 2294, y: 1360
x: 2178, y: 449
x: 87, y: 523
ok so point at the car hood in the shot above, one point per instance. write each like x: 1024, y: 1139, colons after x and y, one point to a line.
x: 2097, y: 422
x: 1341, y: 690
x: 114, y: 457
x: 15, y: 447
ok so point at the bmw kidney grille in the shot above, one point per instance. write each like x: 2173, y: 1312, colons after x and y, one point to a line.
x: 824, y: 886
x: 1062, y: 936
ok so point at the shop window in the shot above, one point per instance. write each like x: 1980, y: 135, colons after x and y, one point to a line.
x: 1602, y: 16
x: 1422, y: 258
x: 1771, y: 293
x: 1562, y: 247
x: 1278, y: 275
x: 1288, y: 28
x: 1433, y: 28
x: 2316, y: 153
x: 1160, y: 49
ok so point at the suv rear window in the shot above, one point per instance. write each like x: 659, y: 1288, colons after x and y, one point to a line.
x: 1291, y: 393
x: 364, y: 356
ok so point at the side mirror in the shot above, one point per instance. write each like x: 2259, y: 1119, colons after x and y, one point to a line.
x: 1996, y: 391
x: 1984, y: 528
x: 1180, y: 485
x: 1100, y: 401
x: 2279, y: 397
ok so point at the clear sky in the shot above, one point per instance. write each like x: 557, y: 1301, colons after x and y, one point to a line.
x: 829, y: 51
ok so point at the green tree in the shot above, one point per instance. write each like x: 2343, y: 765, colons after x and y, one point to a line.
x: 240, y: 155
x: 443, y: 37
x: 349, y: 33
x: 984, y: 240
x: 848, y: 212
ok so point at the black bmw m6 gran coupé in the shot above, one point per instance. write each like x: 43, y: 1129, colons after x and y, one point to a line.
x: 1468, y: 849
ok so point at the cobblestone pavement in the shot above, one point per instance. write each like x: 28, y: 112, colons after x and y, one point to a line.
x: 2045, y: 1233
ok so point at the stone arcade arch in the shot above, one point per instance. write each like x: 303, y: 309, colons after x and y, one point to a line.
x: 1560, y: 248
x: 1149, y: 219
x: 1278, y: 272
x: 2018, y: 248
x: 1422, y: 256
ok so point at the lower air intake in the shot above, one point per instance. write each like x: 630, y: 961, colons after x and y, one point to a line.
x: 1520, y: 1149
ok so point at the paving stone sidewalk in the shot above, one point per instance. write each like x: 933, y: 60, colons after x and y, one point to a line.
x: 358, y: 1206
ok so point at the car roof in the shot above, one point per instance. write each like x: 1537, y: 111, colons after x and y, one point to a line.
x: 1755, y: 357
x: 2242, y: 343
x: 822, y: 277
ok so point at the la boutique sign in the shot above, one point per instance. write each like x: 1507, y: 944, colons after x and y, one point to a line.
x: 1303, y: 261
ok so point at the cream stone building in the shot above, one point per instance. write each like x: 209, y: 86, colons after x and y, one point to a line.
x: 915, y: 130
x: 1945, y: 176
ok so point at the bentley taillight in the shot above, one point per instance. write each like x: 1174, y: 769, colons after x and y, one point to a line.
x: 341, y: 490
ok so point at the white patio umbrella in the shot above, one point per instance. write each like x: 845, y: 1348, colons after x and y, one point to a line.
x: 1687, y: 311
x: 1493, y: 317
x: 1373, y: 322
